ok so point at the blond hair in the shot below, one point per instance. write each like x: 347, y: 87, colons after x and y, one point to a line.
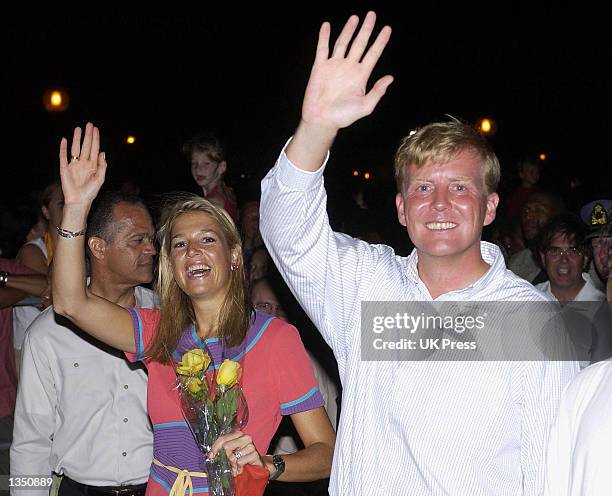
x: 440, y: 142
x: 176, y: 309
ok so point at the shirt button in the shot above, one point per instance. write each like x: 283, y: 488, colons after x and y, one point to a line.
x: 75, y: 364
x: 124, y: 453
x: 125, y: 419
x: 125, y: 386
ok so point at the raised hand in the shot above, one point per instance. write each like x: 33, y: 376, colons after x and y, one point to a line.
x: 83, y: 176
x: 336, y: 94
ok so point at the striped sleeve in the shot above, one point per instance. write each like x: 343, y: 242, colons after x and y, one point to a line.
x: 297, y: 387
x: 325, y: 270
x: 146, y: 322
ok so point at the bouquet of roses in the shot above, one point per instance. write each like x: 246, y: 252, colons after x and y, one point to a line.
x: 213, y: 405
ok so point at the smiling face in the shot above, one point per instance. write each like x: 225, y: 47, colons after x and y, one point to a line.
x: 206, y: 171
x: 444, y: 206
x: 200, y: 257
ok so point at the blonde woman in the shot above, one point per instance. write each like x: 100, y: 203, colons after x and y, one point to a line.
x: 203, y: 300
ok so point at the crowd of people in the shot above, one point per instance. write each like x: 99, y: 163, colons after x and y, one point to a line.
x: 88, y: 385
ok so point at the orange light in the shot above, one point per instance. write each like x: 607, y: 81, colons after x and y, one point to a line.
x: 366, y: 175
x: 486, y: 126
x: 55, y: 100
x: 542, y: 157
x: 130, y: 140
x: 355, y: 173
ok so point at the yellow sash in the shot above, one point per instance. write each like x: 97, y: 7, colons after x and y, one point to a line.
x: 182, y: 483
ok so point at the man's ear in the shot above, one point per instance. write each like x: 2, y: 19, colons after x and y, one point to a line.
x: 97, y: 247
x: 399, y: 205
x: 491, y: 205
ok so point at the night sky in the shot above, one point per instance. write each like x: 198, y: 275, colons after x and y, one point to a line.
x: 163, y: 75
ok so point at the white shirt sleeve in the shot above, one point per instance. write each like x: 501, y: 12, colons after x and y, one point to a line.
x: 34, y: 415
x: 543, y: 383
x: 326, y: 271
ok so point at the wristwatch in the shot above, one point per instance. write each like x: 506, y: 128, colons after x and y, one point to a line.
x: 279, y: 465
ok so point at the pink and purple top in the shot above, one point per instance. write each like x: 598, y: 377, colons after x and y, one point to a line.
x: 277, y: 380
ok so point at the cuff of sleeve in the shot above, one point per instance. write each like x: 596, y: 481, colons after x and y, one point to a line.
x: 139, y: 355
x: 295, y: 178
x: 311, y: 400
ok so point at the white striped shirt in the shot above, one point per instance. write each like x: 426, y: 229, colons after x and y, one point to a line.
x: 414, y: 428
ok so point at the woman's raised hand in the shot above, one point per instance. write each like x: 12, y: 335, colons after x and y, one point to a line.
x: 83, y: 173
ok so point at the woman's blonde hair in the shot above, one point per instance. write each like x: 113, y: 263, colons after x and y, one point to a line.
x: 176, y: 309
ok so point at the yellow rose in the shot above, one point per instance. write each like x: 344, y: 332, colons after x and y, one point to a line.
x: 193, y: 361
x: 228, y: 373
x: 194, y: 385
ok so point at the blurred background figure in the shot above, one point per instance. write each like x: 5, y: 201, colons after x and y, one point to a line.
x: 36, y: 254
x: 529, y: 175
x: 264, y: 297
x: 538, y: 211
x: 260, y: 262
x: 249, y: 229
x: 597, y: 215
x: 507, y: 234
x: 9, y: 271
x: 208, y: 166
x: 565, y: 255
x: 360, y: 217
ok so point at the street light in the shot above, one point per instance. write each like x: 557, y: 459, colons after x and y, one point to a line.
x: 55, y: 100
x: 486, y: 126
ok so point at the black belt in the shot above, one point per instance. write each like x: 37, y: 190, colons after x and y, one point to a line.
x: 136, y: 490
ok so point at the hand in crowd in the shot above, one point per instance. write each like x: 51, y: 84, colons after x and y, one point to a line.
x: 82, y: 176
x: 336, y: 94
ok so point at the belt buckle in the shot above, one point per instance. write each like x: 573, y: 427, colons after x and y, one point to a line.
x: 115, y: 491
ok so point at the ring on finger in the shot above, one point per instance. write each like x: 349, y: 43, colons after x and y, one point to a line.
x: 73, y: 158
x: 237, y: 454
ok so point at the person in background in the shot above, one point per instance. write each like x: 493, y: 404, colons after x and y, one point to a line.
x: 81, y: 406
x: 208, y: 166
x: 286, y: 440
x: 37, y: 254
x: 15, y: 283
x: 538, y: 211
x: 260, y: 261
x: 580, y: 443
x: 565, y: 256
x: 529, y: 175
x: 249, y: 229
x: 597, y: 215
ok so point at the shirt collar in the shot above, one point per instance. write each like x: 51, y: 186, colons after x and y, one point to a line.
x: 490, y: 253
